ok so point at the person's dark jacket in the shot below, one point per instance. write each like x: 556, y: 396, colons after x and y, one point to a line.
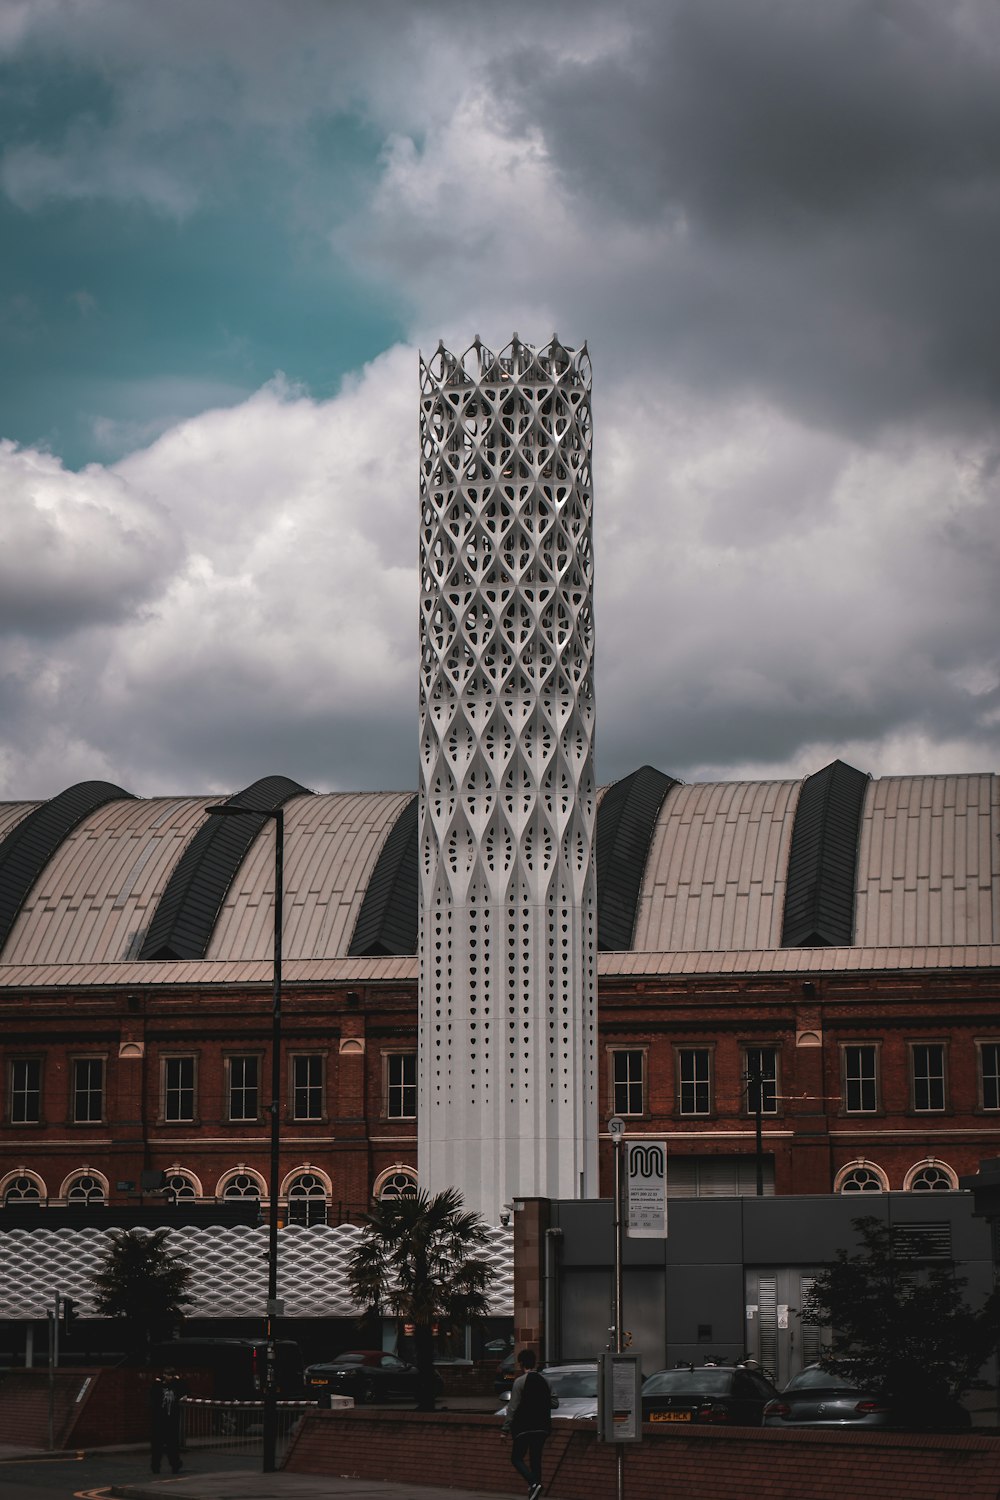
x: 164, y: 1403
x: 530, y: 1408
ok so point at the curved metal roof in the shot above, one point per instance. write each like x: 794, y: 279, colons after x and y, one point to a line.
x: 929, y: 862
x: 31, y: 843
x: 715, y: 878
x: 332, y: 841
x: 184, y: 919
x: 822, y: 864
x: 626, y: 820
x: 711, y: 893
x: 93, y: 900
x: 388, y: 922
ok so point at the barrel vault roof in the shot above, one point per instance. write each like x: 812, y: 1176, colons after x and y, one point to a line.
x: 696, y: 877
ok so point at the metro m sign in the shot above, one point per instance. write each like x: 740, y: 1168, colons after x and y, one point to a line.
x: 646, y: 1189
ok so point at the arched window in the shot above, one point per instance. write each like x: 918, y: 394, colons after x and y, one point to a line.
x: 396, y: 1182
x: 181, y: 1184
x: 22, y: 1186
x: 308, y: 1199
x: 241, y: 1182
x: 930, y: 1176
x: 861, y: 1177
x: 85, y: 1186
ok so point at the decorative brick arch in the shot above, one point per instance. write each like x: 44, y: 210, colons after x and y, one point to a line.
x: 390, y: 1183
x: 930, y: 1175
x: 176, y: 1174
x: 85, y: 1183
x: 22, y: 1185
x: 861, y: 1176
x: 227, y: 1183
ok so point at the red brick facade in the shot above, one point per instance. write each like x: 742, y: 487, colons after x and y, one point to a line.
x: 710, y: 1463
x: 811, y: 1135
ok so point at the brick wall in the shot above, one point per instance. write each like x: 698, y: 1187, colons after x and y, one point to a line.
x: 465, y: 1451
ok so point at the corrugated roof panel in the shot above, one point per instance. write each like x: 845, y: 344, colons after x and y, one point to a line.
x: 331, y: 844
x: 823, y: 859
x: 34, y: 841
x: 388, y: 917
x: 185, y: 916
x: 103, y: 882
x: 12, y: 813
x: 626, y: 820
x: 928, y: 865
x: 716, y: 842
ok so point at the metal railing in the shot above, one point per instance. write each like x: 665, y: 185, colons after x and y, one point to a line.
x: 238, y: 1426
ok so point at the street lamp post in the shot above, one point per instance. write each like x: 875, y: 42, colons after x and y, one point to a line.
x: 270, y: 1425
x: 755, y: 1089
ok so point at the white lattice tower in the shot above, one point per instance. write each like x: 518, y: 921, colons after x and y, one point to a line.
x: 507, y: 1101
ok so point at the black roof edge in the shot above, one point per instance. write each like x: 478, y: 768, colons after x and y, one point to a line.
x: 388, y: 922
x: 186, y: 913
x: 30, y: 844
x: 626, y: 822
x: 823, y: 859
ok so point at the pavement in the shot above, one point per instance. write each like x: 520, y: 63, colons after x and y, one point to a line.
x: 246, y: 1485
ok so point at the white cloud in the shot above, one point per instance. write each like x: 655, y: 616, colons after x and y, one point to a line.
x: 75, y: 549
x: 795, y: 438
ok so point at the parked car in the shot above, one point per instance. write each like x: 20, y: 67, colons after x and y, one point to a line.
x: 237, y: 1366
x: 829, y: 1398
x: 711, y: 1393
x: 367, y: 1375
x: 506, y: 1374
x: 574, y: 1388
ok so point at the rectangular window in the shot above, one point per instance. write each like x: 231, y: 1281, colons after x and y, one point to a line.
x: 695, y: 1080
x: 760, y: 1076
x: 244, y: 1088
x: 26, y: 1091
x: 307, y: 1087
x: 401, y: 1085
x: 178, y: 1088
x: 88, y: 1090
x: 989, y: 1074
x: 860, y: 1078
x: 628, y: 1094
x: 927, y: 1065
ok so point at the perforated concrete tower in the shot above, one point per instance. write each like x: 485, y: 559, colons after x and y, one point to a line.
x: 507, y: 1100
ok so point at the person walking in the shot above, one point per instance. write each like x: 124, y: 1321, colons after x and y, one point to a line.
x: 528, y: 1421
x: 165, y: 1420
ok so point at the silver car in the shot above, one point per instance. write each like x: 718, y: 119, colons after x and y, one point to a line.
x: 574, y: 1389
x: 822, y: 1398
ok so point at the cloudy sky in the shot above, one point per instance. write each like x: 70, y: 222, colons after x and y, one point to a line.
x: 226, y: 228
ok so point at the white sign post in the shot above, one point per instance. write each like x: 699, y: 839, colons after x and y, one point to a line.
x: 646, y: 1188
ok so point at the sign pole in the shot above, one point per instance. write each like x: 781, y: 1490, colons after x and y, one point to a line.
x: 617, y: 1129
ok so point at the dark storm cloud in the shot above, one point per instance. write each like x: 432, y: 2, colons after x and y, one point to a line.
x: 830, y: 177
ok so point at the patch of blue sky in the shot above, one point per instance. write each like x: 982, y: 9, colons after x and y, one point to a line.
x: 120, y: 317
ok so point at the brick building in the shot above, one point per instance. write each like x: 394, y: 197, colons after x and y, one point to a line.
x: 831, y: 942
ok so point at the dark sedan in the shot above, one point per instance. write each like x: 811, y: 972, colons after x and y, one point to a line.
x: 367, y: 1375
x: 819, y: 1398
x: 728, y: 1394
x: 828, y: 1398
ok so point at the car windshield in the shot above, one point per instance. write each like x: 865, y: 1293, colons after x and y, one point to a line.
x: 573, y: 1383
x: 699, y: 1382
x: 814, y: 1379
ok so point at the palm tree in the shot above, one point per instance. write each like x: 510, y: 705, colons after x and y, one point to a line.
x: 417, y: 1259
x: 143, y: 1284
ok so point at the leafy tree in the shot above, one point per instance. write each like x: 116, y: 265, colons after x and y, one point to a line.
x: 142, y: 1283
x: 417, y: 1258
x: 902, y: 1326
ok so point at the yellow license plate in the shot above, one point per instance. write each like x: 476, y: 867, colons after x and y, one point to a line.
x: 319, y: 1382
x: 670, y: 1416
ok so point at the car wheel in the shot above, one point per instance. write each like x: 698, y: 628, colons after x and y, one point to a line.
x: 368, y: 1393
